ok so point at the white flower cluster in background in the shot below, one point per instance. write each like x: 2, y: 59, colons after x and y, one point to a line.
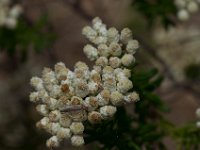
x: 9, y: 14
x: 186, y: 8
x: 68, y: 98
x: 198, y: 115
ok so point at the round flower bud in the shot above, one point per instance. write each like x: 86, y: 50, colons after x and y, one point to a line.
x: 91, y: 103
x: 102, y: 61
x: 65, y: 120
x: 54, y: 116
x: 127, y: 60
x: 81, y: 89
x: 113, y: 35
x: 115, y: 49
x: 94, y: 117
x: 97, y: 68
x: 51, y: 103
x: 127, y: 72
x: 132, y: 46
x: 75, y: 100
x: 64, y: 133
x: 91, y: 52
x: 77, y: 140
x: 114, y: 62
x: 116, y: 98
x: 103, y: 97
x: 126, y: 35
x: 81, y: 65
x: 97, y: 23
x: 108, y: 70
x: 37, y: 83
x: 132, y: 97
x: 53, y: 128
x: 55, y: 91
x: 108, y: 111
x: 103, y: 50
x: 124, y: 85
x: 198, y: 112
x: 89, y: 32
x: 61, y: 71
x: 192, y: 6
x: 95, y: 76
x: 53, y: 142
x: 110, y: 83
x: 183, y: 15
x: 42, y: 94
x: 93, y: 87
x: 34, y: 97
x: 42, y: 109
x: 77, y: 127
x: 49, y: 76
x: 42, y: 124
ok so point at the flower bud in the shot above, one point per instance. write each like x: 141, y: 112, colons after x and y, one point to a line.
x: 77, y: 127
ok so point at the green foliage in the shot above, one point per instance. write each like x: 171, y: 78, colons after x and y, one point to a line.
x: 156, y: 9
x: 23, y: 36
x: 187, y: 137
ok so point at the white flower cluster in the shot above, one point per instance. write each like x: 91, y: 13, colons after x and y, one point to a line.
x: 198, y: 115
x: 8, y: 14
x: 68, y: 98
x: 186, y: 7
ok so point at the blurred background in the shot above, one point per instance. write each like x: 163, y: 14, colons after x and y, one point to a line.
x: 172, y: 46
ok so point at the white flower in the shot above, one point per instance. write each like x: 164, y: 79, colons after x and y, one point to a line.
x: 77, y: 140
x: 124, y: 85
x: 15, y: 11
x: 108, y: 111
x: 116, y: 98
x: 77, y: 127
x: 63, y: 133
x: 54, y: 116
x: 103, y: 50
x: 91, y: 52
x: 68, y: 98
x: 115, y: 49
x: 126, y: 35
x: 37, y: 83
x: 91, y: 103
x: 115, y: 62
x: 183, y: 15
x: 132, y: 97
x: 192, y: 7
x: 94, y: 117
x: 113, y: 35
x: 65, y: 120
x: 9, y: 15
x: 185, y: 8
x: 128, y: 60
x: 132, y: 46
x: 34, y: 97
x: 103, y: 98
x: 102, y: 61
x: 42, y: 109
x: 53, y: 142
